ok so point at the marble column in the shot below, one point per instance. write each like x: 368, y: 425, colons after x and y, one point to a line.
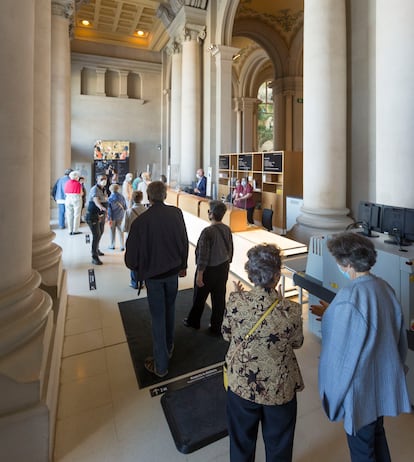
x: 62, y: 11
x: 249, y: 124
x: 176, y: 88
x: 224, y: 63
x: 394, y: 103
x: 100, y: 81
x: 238, y: 109
x: 25, y: 310
x: 324, y: 138
x: 190, y: 103
x: 46, y: 255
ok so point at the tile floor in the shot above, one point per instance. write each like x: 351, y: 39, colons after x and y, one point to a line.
x: 104, y: 417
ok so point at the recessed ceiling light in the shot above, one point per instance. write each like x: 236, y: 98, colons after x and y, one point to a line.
x: 85, y: 22
x: 140, y: 33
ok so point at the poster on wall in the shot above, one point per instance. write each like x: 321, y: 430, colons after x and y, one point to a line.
x: 111, y: 150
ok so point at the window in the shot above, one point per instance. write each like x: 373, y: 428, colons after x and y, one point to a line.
x: 265, y: 117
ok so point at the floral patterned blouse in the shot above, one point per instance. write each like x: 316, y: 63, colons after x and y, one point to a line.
x: 265, y: 369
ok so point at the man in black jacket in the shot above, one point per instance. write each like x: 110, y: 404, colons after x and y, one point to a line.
x: 157, y: 250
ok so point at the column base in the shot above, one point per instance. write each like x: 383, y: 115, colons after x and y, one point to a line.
x: 316, y: 222
x: 27, y: 423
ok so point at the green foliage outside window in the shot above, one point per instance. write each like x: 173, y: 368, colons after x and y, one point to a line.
x: 265, y: 117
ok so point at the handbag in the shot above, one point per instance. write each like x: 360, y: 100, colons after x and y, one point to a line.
x: 246, y: 337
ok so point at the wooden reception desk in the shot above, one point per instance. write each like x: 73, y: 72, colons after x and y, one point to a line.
x: 235, y: 218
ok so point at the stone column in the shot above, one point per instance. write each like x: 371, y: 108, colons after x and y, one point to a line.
x: 46, y: 256
x: 176, y: 87
x: 324, y: 185
x: 224, y: 62
x: 191, y: 102
x: 278, y: 115
x: 25, y: 310
x: 61, y: 89
x: 249, y: 124
x: 238, y: 109
x: 394, y: 103
x: 123, y: 84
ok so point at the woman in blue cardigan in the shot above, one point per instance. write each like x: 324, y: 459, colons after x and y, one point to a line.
x: 364, y: 347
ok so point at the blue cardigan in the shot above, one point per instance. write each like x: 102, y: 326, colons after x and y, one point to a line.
x: 364, y: 347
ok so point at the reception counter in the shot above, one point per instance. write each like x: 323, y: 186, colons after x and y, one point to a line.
x: 235, y: 218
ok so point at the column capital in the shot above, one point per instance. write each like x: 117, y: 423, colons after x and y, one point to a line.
x: 173, y: 47
x: 64, y: 8
x: 223, y: 52
x: 192, y: 32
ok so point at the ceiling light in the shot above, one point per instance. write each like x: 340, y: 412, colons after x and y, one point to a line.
x: 140, y: 33
x: 85, y: 22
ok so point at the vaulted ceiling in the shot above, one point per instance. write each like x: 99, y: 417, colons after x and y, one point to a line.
x: 116, y: 22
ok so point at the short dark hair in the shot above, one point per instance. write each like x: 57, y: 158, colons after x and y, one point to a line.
x: 137, y: 197
x: 157, y: 192
x: 264, y: 262
x: 217, y: 209
x: 353, y: 249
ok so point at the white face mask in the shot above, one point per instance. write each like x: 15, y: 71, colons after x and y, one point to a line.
x: 198, y: 176
x: 103, y: 183
x: 243, y: 183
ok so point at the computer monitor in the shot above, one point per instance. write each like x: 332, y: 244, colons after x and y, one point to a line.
x: 392, y: 222
x: 409, y: 225
x: 369, y: 218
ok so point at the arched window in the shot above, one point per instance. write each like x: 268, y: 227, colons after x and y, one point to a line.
x: 265, y: 117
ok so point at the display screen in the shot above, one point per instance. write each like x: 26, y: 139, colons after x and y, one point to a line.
x: 224, y: 162
x: 245, y: 162
x: 392, y: 221
x: 272, y: 162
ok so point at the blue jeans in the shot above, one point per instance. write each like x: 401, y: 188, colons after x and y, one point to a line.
x: 370, y: 443
x: 278, y: 429
x: 61, y: 212
x: 161, y: 295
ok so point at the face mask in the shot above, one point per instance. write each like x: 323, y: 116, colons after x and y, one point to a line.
x: 345, y: 273
x: 243, y: 183
x: 102, y: 183
x: 198, y: 176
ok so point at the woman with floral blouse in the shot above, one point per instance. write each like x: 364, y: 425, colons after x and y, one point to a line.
x: 263, y: 373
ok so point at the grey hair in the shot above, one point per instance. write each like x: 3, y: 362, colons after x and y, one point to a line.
x: 352, y: 249
x: 263, y: 264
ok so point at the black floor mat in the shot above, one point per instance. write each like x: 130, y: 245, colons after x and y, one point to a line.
x: 196, y: 414
x: 193, y: 349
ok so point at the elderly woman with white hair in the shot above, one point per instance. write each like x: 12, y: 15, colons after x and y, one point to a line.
x: 73, y: 202
x: 127, y: 189
x: 146, y: 180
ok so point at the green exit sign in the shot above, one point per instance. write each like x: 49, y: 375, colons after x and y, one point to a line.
x: 300, y: 100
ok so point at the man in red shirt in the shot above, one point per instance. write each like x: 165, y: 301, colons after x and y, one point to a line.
x: 73, y: 202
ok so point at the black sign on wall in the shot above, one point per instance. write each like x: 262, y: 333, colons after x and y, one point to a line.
x: 245, y: 162
x: 224, y: 162
x: 120, y: 166
x: 272, y: 162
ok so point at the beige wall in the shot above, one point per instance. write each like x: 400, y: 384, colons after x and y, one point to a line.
x: 113, y: 118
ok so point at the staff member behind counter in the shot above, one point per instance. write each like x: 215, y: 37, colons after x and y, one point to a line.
x: 200, y: 187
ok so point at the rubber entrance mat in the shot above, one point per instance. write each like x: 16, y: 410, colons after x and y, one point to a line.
x: 196, y: 414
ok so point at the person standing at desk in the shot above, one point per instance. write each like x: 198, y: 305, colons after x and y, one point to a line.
x: 245, y: 200
x: 364, y: 347
x: 201, y: 186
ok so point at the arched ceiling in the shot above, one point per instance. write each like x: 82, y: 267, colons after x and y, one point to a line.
x: 116, y: 22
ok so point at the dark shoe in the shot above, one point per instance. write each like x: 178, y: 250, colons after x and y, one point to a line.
x: 187, y: 324
x: 111, y: 248
x: 101, y: 254
x: 122, y: 249
x: 96, y: 261
x: 70, y: 234
x: 149, y: 365
x: 77, y: 232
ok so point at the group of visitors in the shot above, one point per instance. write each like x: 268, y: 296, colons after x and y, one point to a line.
x: 242, y: 197
x: 364, y: 343
x: 362, y: 326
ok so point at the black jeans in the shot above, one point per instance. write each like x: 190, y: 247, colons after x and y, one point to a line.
x: 97, y: 227
x: 215, y: 280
